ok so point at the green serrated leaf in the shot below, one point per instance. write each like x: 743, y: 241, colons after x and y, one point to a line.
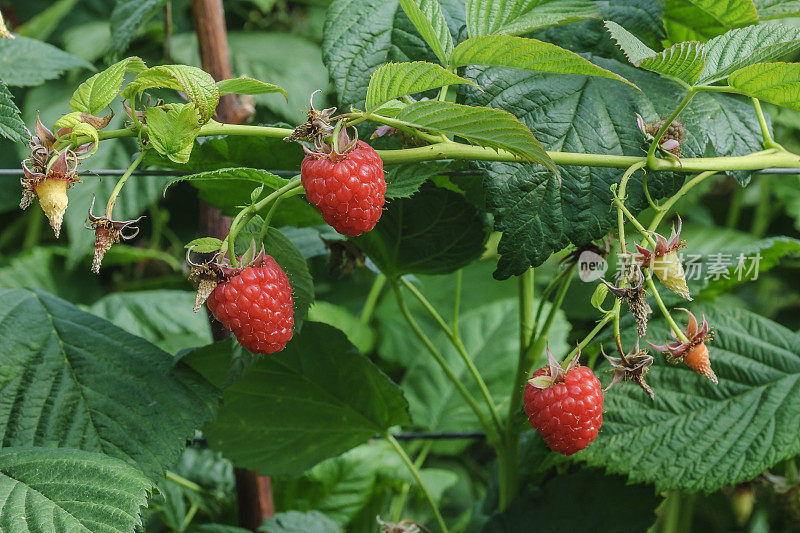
x: 18, y: 69
x: 263, y: 55
x: 697, y: 436
x: 537, y: 214
x: 357, y: 332
x: 487, y: 17
x: 772, y: 9
x: 436, y: 231
x: 746, y: 46
x: 778, y: 83
x: 198, y: 85
x: 346, y: 400
x: 599, y: 296
x: 11, y: 125
x: 96, y: 93
x: 551, y: 13
x: 61, y: 489
x: 82, y: 382
x: 683, y: 61
x: 404, y: 180
x: 163, y: 317
x: 481, y: 125
x: 729, y: 12
x: 427, y: 17
x: 204, y: 245
x: 722, y: 258
x: 172, y: 129
x: 225, y: 176
x: 127, y: 17
x: 41, y: 25
x: 526, y: 54
x: 390, y: 34
x: 394, y: 80
x: 246, y: 85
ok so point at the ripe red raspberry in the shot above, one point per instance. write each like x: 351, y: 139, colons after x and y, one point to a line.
x: 568, y: 410
x: 256, y: 304
x: 347, y: 188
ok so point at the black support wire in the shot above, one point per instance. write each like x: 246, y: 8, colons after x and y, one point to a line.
x: 405, y: 437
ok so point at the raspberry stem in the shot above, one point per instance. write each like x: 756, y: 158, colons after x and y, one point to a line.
x: 372, y: 298
x: 459, y: 346
x: 112, y: 200
x: 415, y: 472
x: 456, y: 150
x: 667, y: 205
x: 246, y: 214
x: 586, y: 340
x: 457, y: 301
x: 491, y: 432
x: 677, y: 330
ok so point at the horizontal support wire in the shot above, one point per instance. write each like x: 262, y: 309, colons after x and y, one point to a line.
x: 477, y: 435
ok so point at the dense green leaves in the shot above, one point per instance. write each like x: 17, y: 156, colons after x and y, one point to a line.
x: 697, y: 63
x: 700, y: 436
x: 527, y: 54
x: 537, y: 214
x: 481, y: 125
x: 11, y: 125
x: 198, y: 85
x: 427, y: 17
x: 172, y: 128
x: 778, y: 83
x: 399, y: 79
x: 608, y: 502
x: 93, y: 95
x: 245, y: 85
x: 315, y: 399
x: 434, y: 232
x: 126, y: 18
x: 721, y: 258
x: 75, y: 380
x: 362, y: 35
x: 52, y: 490
x: 17, y: 68
x: 486, y: 17
x: 747, y: 46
